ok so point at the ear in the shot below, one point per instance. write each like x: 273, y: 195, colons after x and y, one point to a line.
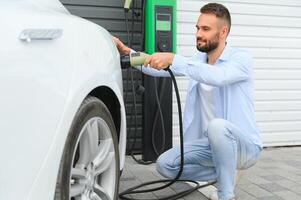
x: 224, y: 32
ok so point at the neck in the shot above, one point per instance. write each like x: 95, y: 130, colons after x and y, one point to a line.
x: 215, y: 54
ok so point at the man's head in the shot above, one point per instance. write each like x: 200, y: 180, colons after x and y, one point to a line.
x: 213, y: 27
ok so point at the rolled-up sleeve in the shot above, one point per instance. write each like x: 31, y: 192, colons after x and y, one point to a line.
x: 236, y: 68
x: 152, y: 72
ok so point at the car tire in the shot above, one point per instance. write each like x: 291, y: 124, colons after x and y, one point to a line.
x: 89, y: 168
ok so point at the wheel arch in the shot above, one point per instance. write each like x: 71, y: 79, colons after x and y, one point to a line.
x: 109, y: 98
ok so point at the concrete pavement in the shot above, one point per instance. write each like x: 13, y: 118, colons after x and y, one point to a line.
x: 277, y: 176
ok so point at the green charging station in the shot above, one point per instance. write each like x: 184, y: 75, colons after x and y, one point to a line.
x: 160, y: 36
x: 160, y: 26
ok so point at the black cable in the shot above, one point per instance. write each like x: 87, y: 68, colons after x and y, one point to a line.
x: 132, y: 20
x: 134, y: 190
x: 135, y: 132
x: 134, y: 105
x: 157, y: 114
x: 169, y: 182
x: 129, y: 44
x: 127, y: 71
x: 159, y: 110
x: 142, y: 45
x: 127, y: 28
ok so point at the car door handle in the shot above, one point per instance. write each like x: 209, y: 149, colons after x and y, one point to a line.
x: 27, y: 35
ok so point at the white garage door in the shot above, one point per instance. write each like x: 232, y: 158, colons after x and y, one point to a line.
x: 271, y: 31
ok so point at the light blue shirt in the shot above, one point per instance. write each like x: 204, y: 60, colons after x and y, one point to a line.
x: 233, y: 75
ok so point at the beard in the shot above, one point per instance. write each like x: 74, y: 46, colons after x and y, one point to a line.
x: 209, y: 46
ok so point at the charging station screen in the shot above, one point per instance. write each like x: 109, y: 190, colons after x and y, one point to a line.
x: 163, y: 22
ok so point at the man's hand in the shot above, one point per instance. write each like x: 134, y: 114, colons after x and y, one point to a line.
x: 159, y: 60
x: 122, y: 48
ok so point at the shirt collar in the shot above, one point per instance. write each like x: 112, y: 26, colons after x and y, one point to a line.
x: 225, y: 54
x: 223, y: 57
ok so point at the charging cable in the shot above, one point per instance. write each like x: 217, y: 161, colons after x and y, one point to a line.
x: 169, y: 182
x: 134, y: 190
x: 130, y: 74
x: 158, y: 114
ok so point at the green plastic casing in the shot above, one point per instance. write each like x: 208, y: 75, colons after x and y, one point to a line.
x: 150, y: 23
x: 160, y: 36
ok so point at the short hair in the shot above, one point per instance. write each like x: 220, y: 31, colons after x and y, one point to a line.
x: 219, y: 10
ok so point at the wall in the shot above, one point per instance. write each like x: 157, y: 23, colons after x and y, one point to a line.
x: 110, y: 15
x: 271, y: 31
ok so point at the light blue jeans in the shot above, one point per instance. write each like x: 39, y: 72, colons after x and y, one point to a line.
x: 229, y: 149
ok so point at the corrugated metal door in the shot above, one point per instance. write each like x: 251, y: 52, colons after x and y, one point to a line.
x: 110, y: 15
x: 271, y: 31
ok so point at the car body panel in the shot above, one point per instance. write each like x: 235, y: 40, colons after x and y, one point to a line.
x: 42, y: 85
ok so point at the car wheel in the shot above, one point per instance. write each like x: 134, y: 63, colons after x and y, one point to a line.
x: 89, y: 167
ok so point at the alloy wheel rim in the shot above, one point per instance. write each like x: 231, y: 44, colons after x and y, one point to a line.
x: 93, y: 172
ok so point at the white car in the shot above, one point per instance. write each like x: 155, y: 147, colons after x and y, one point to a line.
x: 62, y: 115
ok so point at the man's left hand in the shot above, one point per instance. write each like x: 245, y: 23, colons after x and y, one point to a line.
x: 159, y: 60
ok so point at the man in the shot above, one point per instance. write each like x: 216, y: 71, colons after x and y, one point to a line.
x: 220, y: 130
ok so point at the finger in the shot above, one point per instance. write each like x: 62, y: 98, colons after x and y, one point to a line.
x: 164, y: 65
x: 115, y: 40
x: 153, y: 63
x: 158, y: 63
x: 160, y: 66
x: 147, y: 61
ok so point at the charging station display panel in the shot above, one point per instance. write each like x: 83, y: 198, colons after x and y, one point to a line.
x: 163, y: 28
x: 163, y: 22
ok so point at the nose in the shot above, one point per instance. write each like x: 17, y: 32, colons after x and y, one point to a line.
x: 199, y: 34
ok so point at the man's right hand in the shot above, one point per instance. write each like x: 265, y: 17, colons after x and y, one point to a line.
x: 122, y: 48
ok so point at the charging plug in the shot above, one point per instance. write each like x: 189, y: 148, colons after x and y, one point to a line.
x: 138, y: 58
x: 133, y: 60
x: 125, y: 61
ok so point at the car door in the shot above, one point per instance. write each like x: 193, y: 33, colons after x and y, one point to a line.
x: 36, y: 67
